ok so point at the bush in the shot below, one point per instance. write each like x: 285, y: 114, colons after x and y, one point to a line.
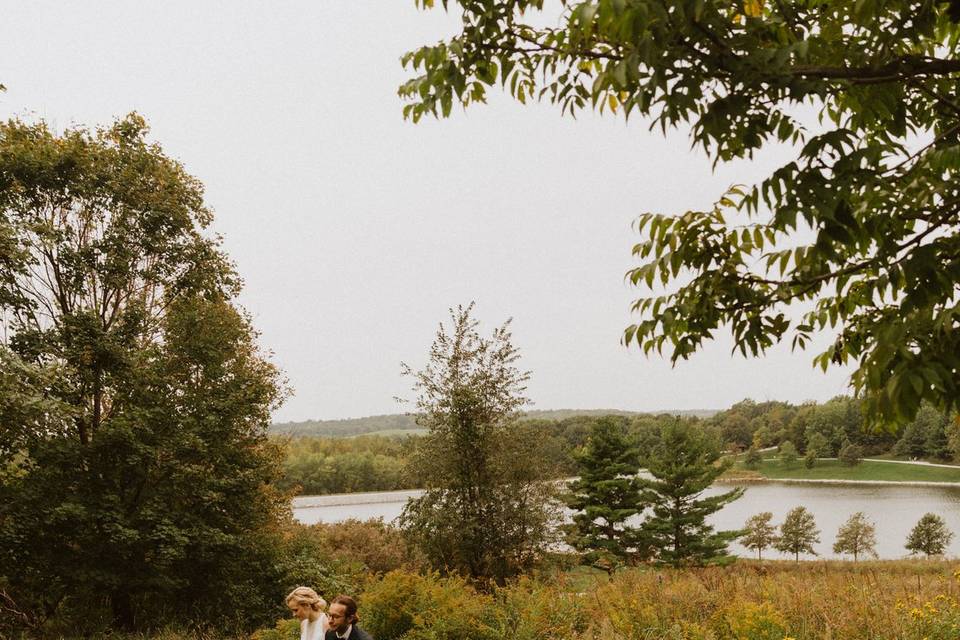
x: 750, y: 621
x: 378, y: 546
x: 533, y: 610
x: 286, y: 629
x: 850, y: 454
x: 308, y: 560
x: 427, y: 607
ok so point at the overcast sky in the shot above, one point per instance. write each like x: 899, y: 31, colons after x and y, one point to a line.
x: 355, y: 231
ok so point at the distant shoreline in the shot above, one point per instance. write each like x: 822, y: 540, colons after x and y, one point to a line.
x: 899, y: 483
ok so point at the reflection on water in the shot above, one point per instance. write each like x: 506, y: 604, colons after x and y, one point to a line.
x: 893, y: 509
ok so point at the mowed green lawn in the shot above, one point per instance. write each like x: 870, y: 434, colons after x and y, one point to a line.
x: 833, y: 470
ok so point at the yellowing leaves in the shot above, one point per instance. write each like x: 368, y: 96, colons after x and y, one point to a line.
x: 753, y: 8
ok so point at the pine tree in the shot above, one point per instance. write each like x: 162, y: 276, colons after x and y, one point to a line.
x: 798, y: 533
x: 930, y: 536
x: 856, y: 536
x: 759, y: 534
x: 686, y: 461
x: 605, y: 497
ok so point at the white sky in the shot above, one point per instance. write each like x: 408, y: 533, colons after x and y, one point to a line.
x: 355, y: 231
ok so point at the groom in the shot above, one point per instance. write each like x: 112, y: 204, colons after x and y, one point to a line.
x: 342, y: 616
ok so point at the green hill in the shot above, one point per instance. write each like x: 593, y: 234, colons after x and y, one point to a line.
x: 397, y: 423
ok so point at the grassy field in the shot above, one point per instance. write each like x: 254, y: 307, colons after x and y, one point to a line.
x: 833, y: 470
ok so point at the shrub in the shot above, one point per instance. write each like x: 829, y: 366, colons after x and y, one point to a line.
x: 286, y: 629
x: 427, y: 607
x: 377, y: 545
x: 307, y: 560
x: 751, y: 621
x: 533, y: 610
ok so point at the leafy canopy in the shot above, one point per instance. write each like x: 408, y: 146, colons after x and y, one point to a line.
x: 135, y: 470
x: 863, y: 91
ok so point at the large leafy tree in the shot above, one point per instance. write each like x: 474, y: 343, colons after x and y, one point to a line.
x: 684, y: 463
x: 606, y: 496
x: 488, y: 511
x: 864, y: 92
x: 135, y: 472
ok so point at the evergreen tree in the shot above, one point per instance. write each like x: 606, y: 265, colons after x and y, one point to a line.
x: 856, y: 536
x: 605, y: 497
x: 810, y: 458
x: 929, y: 536
x: 758, y: 533
x: 937, y: 443
x: 920, y: 433
x: 684, y: 463
x: 798, y: 533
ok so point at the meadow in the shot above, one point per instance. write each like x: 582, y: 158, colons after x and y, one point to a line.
x: 866, y: 470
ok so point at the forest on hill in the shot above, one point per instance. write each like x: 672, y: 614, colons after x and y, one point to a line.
x: 404, y: 421
x: 375, y: 460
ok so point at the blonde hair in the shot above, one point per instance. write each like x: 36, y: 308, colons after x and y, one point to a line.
x: 307, y: 596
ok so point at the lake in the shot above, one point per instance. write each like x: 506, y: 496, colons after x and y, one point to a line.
x: 894, y: 509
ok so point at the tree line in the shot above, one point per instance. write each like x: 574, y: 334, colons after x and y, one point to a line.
x: 826, y: 429
x: 857, y: 536
x: 315, y: 465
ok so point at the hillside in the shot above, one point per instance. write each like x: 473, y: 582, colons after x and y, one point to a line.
x: 401, y: 422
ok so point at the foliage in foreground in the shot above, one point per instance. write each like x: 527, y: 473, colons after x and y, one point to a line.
x: 812, y: 601
x: 874, y: 176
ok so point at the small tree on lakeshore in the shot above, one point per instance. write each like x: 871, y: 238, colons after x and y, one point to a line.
x: 857, y: 536
x: 605, y: 497
x: 684, y: 463
x: 788, y: 453
x: 930, y: 536
x: 759, y: 533
x: 798, y: 533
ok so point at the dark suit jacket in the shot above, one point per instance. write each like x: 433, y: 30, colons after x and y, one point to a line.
x: 356, y: 634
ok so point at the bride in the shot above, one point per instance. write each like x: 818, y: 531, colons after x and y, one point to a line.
x: 307, y: 607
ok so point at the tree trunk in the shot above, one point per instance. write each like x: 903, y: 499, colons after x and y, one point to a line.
x: 122, y: 607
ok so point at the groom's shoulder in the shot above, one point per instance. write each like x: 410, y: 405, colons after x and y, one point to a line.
x: 360, y: 634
